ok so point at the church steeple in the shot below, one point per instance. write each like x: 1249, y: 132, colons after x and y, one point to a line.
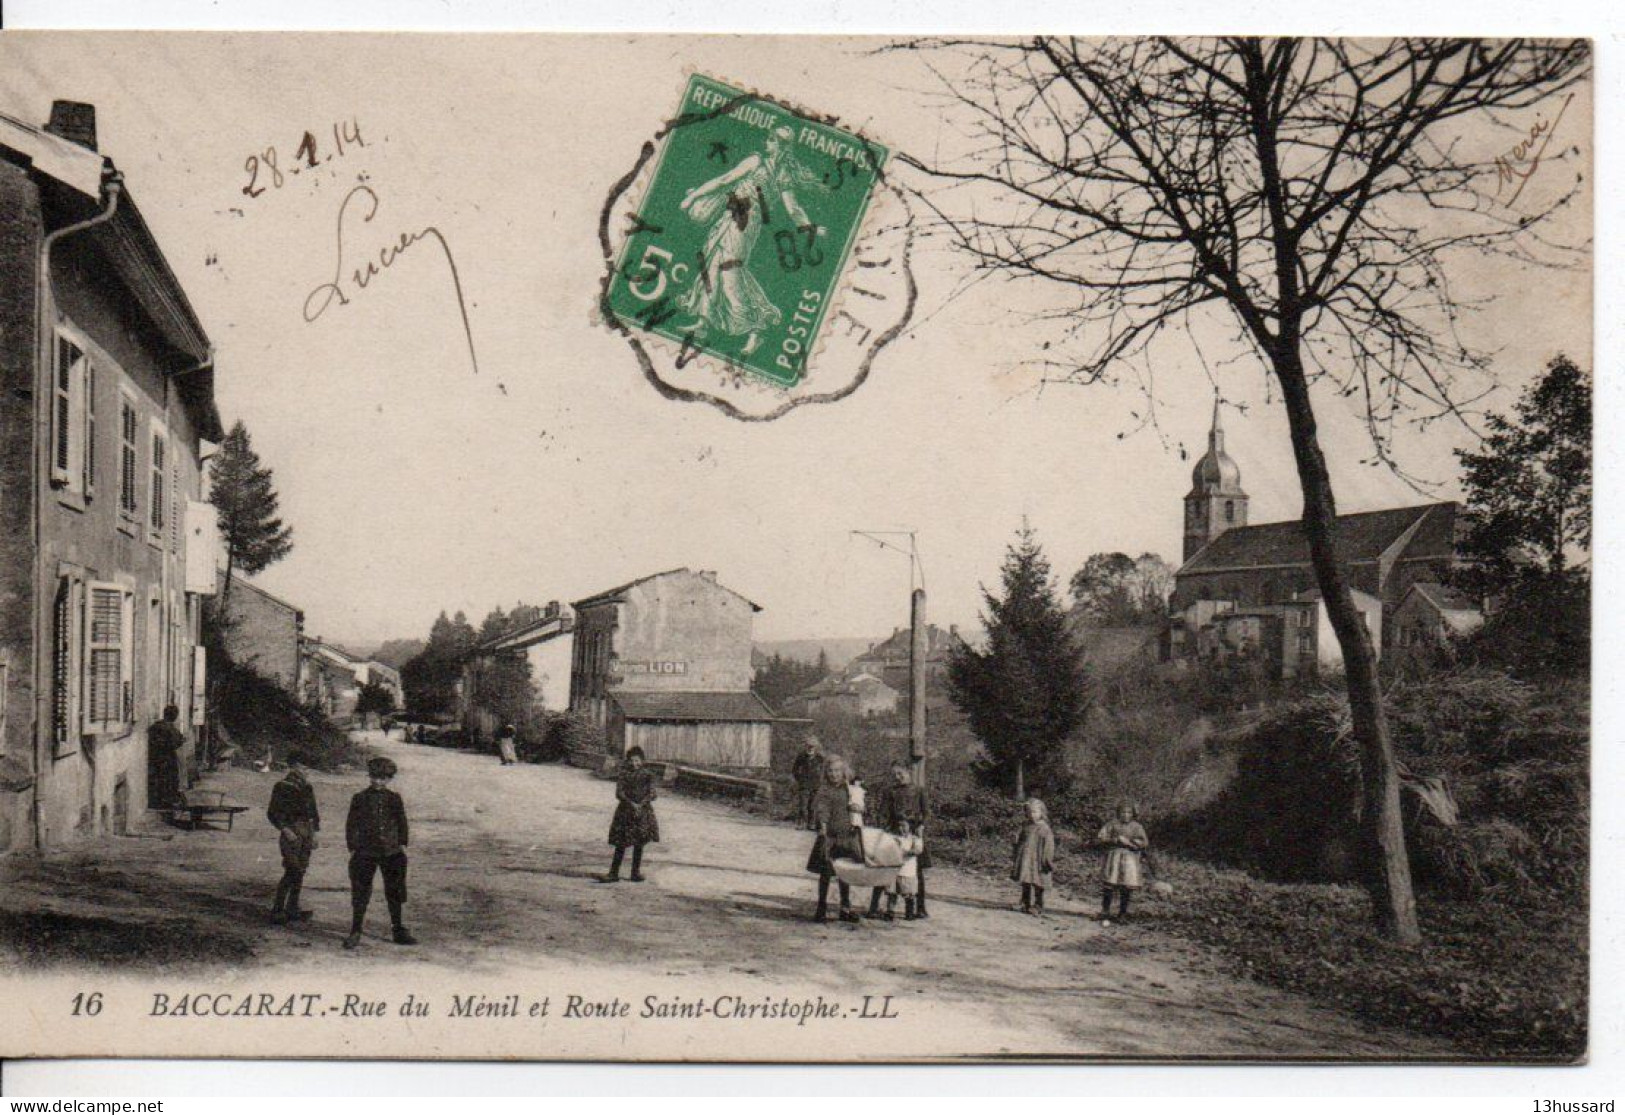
x: 1216, y: 501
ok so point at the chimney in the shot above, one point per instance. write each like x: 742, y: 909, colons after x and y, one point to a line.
x: 74, y: 121
x: 709, y: 575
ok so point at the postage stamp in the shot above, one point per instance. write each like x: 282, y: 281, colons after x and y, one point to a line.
x: 745, y: 232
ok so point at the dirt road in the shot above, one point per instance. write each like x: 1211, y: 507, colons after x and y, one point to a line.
x: 504, y: 899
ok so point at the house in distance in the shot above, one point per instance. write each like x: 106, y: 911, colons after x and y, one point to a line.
x: 664, y: 663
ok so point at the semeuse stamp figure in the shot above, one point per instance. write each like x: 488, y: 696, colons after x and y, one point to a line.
x: 740, y: 244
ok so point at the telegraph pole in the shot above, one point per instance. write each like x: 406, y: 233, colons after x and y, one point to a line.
x: 918, y: 645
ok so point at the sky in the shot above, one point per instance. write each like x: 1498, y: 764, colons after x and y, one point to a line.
x: 415, y: 484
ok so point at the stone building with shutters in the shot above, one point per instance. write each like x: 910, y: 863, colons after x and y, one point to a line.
x: 664, y: 663
x: 106, y: 547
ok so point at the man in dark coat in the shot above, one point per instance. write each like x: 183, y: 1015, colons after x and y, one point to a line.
x: 904, y: 801
x: 808, y: 772
x: 293, y: 812
x: 165, y: 742
x: 377, y: 835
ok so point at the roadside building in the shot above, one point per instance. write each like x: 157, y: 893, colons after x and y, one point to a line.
x: 330, y: 679
x: 262, y: 632
x: 1431, y: 616
x: 106, y: 548
x: 664, y: 663
x: 888, y: 660
x: 859, y: 697
x: 546, y: 645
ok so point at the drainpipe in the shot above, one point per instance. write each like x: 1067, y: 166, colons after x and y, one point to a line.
x: 45, y: 355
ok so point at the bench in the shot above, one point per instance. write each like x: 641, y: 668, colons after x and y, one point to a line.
x: 202, y: 807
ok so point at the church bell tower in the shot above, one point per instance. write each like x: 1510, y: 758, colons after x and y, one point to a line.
x: 1216, y: 502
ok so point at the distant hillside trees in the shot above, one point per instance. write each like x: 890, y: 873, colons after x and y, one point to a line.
x: 779, y: 678
x: 1528, y: 538
x: 430, y: 679
x: 1115, y: 590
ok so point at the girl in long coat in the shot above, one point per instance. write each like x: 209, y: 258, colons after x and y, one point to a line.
x: 1125, y: 842
x: 634, y: 824
x: 837, y: 838
x: 1035, y: 858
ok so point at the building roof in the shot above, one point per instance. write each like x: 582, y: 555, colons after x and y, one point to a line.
x: 619, y: 591
x: 1444, y: 598
x: 682, y: 705
x: 1362, y: 537
x: 937, y: 643
x: 836, y: 684
x: 537, y: 631
x: 240, y: 581
x: 129, y: 246
x: 1216, y: 473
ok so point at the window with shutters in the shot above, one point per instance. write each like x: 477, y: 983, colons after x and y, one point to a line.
x: 71, y: 422
x: 67, y: 621
x: 109, y: 701
x: 127, y: 457
x: 158, y: 486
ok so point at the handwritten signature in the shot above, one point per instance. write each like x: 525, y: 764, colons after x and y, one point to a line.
x: 322, y: 297
x: 1519, y: 164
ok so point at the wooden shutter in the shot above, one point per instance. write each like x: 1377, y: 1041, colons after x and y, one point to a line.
x: 107, y: 658
x: 62, y: 720
x: 160, y: 475
x: 67, y: 355
x: 90, y: 429
x: 127, y: 434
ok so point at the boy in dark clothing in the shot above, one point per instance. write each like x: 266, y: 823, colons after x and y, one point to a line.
x: 293, y: 812
x: 377, y: 835
x: 808, y: 772
x: 903, y: 803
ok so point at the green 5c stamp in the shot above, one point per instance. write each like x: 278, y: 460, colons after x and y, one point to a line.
x: 739, y: 245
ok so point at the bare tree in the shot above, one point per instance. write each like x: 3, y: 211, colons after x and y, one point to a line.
x: 1309, y: 194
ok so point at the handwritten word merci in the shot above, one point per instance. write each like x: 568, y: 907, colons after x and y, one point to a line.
x: 807, y: 135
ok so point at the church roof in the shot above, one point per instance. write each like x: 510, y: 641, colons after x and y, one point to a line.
x: 1362, y: 537
x: 1216, y: 473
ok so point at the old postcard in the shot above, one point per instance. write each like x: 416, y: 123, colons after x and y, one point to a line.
x: 703, y: 548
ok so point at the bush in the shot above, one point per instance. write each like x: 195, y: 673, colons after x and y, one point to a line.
x: 263, y: 721
x: 549, y: 737
x: 1511, y: 757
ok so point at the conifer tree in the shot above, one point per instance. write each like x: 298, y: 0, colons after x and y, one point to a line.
x: 1024, y: 693
x: 242, y: 491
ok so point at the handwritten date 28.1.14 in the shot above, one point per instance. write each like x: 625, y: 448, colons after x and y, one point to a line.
x: 264, y: 173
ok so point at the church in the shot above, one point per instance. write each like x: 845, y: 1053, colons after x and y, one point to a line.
x: 1248, y: 590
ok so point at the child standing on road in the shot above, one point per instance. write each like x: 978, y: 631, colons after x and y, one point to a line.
x: 857, y: 801
x: 838, y: 838
x: 634, y: 824
x: 505, y: 745
x: 1125, y: 842
x: 1035, y: 858
x: 377, y: 835
x: 908, y: 876
x: 293, y: 812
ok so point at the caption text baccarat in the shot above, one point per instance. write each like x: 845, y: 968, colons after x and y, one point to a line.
x: 723, y: 1007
